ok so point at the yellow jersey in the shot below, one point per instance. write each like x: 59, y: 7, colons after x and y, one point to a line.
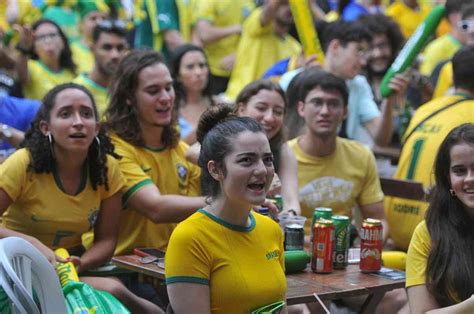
x: 417, y: 160
x: 169, y: 170
x: 407, y: 18
x: 83, y: 57
x: 42, y: 79
x: 41, y: 208
x: 243, y: 266
x: 259, y: 48
x: 223, y: 13
x: 343, y: 180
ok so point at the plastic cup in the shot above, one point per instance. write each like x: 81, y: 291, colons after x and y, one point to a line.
x: 287, y: 219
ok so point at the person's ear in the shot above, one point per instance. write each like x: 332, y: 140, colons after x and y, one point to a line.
x: 97, y: 128
x: 44, y: 128
x: 214, y: 171
x: 300, y: 109
x: 333, y: 46
x: 240, y: 108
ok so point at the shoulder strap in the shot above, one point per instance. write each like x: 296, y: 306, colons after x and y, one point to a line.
x: 432, y: 115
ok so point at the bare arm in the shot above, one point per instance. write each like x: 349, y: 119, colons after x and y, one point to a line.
x: 164, y: 208
x: 209, y: 33
x: 420, y: 299
x: 16, y: 139
x: 105, y: 233
x: 289, y: 179
x: 26, y: 41
x: 192, y: 154
x: 173, y: 39
x: 381, y: 128
x: 376, y: 211
x: 189, y: 298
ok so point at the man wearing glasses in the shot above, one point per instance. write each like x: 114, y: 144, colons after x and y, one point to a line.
x: 444, y: 82
x: 332, y: 171
x: 346, y: 49
x: 109, y: 46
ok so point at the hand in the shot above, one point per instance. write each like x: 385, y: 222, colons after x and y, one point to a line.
x: 399, y: 84
x: 76, y: 260
x: 47, y: 252
x: 307, y: 61
x: 272, y: 209
x: 227, y: 63
x: 26, y: 35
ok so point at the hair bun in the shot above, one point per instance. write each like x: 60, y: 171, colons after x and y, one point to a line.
x: 212, y: 117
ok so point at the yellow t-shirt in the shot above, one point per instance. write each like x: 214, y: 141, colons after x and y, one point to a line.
x: 343, y: 180
x: 186, y: 12
x: 243, y: 266
x: 407, y: 18
x: 417, y: 159
x: 42, y: 79
x: 259, y: 48
x: 41, y: 209
x: 437, y: 51
x: 83, y: 57
x: 417, y: 256
x: 169, y: 170
x: 223, y: 13
x: 445, y: 81
x: 99, y: 92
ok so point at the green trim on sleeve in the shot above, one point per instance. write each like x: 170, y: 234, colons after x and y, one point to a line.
x: 135, y: 188
x: 188, y: 279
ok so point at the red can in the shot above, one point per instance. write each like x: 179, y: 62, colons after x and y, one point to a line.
x: 371, y: 236
x: 323, y: 242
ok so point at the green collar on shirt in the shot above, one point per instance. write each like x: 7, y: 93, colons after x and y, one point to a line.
x: 82, y: 184
x: 229, y: 225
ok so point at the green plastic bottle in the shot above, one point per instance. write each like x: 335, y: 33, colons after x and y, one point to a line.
x: 412, y: 47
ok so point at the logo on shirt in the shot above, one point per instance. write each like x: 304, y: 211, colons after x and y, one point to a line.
x: 325, y: 190
x: 182, y: 172
x: 273, y: 255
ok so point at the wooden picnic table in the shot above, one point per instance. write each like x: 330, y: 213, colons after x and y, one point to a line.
x: 349, y: 282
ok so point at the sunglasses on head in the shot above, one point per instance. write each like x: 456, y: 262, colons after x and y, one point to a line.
x: 465, y: 25
x: 109, y: 24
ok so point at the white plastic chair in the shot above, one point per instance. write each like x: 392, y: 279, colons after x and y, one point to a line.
x: 24, y: 269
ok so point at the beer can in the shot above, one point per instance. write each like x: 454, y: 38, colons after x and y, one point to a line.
x: 341, y: 241
x: 320, y: 212
x: 371, y: 237
x: 323, y: 240
x: 294, y: 237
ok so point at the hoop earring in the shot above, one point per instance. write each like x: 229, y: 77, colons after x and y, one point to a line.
x: 50, y: 139
x: 451, y: 191
x: 98, y: 146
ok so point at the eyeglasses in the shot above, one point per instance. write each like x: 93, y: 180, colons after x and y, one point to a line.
x: 466, y: 25
x: 331, y: 104
x: 45, y: 37
x: 109, y: 24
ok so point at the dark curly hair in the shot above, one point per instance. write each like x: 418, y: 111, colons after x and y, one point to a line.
x: 43, y: 160
x: 121, y: 115
x: 65, y: 58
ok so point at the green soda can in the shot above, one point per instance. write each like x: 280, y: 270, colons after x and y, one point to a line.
x: 318, y: 213
x: 278, y: 201
x: 341, y: 241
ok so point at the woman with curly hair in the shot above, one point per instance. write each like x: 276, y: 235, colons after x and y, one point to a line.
x: 45, y: 58
x: 65, y: 182
x: 440, y: 262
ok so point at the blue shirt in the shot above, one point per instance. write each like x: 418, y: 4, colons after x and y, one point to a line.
x: 16, y: 113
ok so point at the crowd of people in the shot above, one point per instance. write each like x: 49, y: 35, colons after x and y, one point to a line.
x: 168, y: 123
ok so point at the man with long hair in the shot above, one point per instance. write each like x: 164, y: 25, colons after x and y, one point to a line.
x: 162, y: 187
